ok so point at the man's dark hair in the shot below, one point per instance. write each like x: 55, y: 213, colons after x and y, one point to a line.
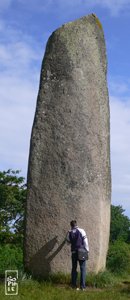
x: 73, y: 223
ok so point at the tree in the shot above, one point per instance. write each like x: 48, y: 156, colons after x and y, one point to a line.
x: 12, y: 203
x: 120, y: 225
x: 118, y: 258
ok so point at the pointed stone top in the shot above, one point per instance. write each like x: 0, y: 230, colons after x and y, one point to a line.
x: 92, y: 19
x: 80, y: 34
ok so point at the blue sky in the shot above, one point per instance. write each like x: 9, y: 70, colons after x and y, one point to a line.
x: 25, y: 26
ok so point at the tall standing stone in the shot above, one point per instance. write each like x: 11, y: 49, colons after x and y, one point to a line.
x: 69, y: 163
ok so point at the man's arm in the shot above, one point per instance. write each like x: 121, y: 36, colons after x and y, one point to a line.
x: 67, y: 238
x: 85, y: 239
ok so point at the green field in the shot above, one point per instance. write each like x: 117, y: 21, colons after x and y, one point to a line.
x: 34, y: 290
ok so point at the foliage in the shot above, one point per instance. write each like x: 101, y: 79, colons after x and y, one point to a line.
x: 12, y: 200
x: 120, y: 225
x: 101, y: 280
x: 118, y: 259
x: 11, y: 258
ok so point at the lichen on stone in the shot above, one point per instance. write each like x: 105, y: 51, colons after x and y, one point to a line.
x: 97, y: 21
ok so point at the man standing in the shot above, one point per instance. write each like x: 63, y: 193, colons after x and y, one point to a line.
x: 78, y: 239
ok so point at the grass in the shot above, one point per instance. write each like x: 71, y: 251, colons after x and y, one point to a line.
x: 99, y: 287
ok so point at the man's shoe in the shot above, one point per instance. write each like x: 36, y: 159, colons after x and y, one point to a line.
x: 74, y: 287
x: 83, y: 289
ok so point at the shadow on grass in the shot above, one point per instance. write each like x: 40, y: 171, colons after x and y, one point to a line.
x: 126, y: 288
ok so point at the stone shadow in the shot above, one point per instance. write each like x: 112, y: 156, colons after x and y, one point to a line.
x: 40, y: 263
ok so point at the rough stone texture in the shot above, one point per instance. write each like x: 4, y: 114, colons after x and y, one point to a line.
x: 69, y: 164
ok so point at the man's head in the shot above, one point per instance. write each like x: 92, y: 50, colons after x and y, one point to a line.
x: 73, y: 223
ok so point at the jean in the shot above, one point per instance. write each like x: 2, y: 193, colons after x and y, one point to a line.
x: 74, y: 272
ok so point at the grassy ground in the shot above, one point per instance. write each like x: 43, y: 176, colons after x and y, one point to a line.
x: 33, y: 290
x: 47, y: 291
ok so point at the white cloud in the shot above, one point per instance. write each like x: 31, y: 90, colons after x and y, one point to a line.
x: 18, y: 98
x: 115, y: 7
x: 120, y: 145
x: 17, y: 57
x: 17, y: 50
x: 120, y: 119
x: 20, y: 61
x: 119, y: 88
x: 4, y: 4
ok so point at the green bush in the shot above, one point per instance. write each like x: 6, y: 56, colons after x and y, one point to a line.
x: 120, y: 225
x: 100, y: 280
x: 11, y: 258
x: 118, y: 258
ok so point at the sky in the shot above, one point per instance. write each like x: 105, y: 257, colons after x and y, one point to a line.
x: 25, y: 26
